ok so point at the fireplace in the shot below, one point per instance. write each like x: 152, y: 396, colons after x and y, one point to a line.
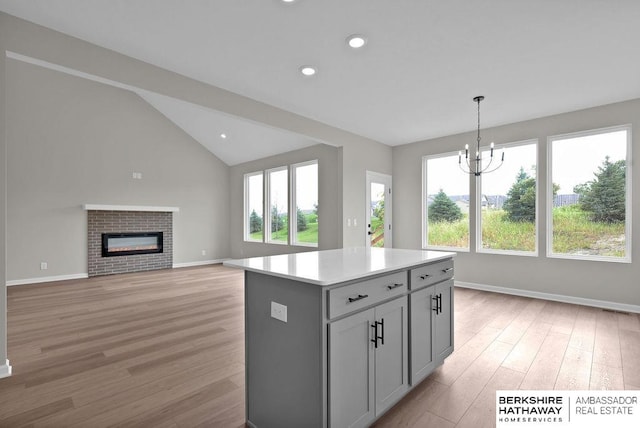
x: 126, y: 244
x: 108, y: 225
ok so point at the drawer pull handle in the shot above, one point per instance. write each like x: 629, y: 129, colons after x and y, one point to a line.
x: 447, y: 270
x: 375, y: 333
x: 360, y: 297
x: 438, y: 300
x: 391, y: 287
x: 425, y: 276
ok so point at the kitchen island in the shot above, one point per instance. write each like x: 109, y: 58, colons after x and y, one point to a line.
x: 335, y: 338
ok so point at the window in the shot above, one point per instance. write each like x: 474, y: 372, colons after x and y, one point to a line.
x: 253, y: 206
x: 305, y: 200
x: 445, y: 203
x: 507, y: 206
x: 268, y: 211
x: 589, y: 206
x: 278, y: 205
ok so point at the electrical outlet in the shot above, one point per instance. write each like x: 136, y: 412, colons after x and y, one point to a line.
x: 279, y: 311
x: 44, y: 266
x: 349, y: 222
x: 204, y: 252
x: 355, y: 222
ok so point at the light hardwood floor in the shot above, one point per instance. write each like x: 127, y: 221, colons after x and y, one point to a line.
x: 166, y: 349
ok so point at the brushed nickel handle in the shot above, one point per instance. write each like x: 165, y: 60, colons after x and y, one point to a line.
x: 396, y: 285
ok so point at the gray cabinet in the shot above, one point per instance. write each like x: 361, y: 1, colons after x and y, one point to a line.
x: 431, y: 322
x: 443, y: 321
x: 346, y: 352
x: 351, y: 369
x: 367, y: 363
x: 422, y: 362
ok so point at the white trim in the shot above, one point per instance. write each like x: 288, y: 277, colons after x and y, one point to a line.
x: 86, y: 275
x: 604, y: 304
x: 293, y: 202
x: 425, y: 210
x: 200, y: 263
x: 246, y: 214
x: 628, y: 195
x: 97, y: 207
x: 478, y: 223
x: 5, y: 370
x: 47, y: 279
x: 267, y: 219
x: 387, y: 181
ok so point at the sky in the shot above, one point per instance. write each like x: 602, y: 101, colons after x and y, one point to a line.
x: 574, y: 162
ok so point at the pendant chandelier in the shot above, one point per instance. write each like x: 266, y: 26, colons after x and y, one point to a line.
x: 474, y: 164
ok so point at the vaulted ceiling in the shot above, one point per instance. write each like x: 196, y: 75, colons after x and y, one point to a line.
x: 413, y: 80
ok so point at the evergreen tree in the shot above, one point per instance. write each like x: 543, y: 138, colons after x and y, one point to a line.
x: 255, y: 222
x: 520, y: 204
x: 302, y: 220
x: 277, y: 219
x: 444, y: 209
x: 604, y: 197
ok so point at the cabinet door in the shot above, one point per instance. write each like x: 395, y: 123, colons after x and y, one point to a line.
x: 391, y: 355
x: 421, y: 350
x: 351, y: 371
x: 444, y: 321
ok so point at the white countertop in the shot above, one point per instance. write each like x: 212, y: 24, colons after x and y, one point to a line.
x: 335, y: 266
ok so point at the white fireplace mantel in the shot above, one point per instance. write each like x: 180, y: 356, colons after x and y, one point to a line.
x: 96, y: 207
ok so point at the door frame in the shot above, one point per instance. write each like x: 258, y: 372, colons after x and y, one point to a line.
x: 387, y: 180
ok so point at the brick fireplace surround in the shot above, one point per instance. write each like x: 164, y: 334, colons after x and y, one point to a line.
x: 122, y: 220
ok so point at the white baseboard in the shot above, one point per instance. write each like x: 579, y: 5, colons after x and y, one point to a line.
x: 200, y: 263
x: 86, y: 275
x: 47, y: 279
x: 5, y: 370
x: 604, y: 304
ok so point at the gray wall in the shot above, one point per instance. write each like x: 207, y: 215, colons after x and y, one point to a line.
x: 71, y: 141
x: 359, y: 157
x: 3, y: 198
x: 614, y: 282
x: 329, y: 200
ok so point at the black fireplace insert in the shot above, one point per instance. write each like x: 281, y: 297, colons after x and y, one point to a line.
x: 126, y: 244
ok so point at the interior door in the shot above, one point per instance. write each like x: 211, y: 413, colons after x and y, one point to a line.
x: 378, y: 210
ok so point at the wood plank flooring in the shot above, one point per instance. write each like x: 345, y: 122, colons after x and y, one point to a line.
x: 166, y: 349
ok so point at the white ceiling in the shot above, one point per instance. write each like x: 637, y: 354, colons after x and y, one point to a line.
x: 415, y: 79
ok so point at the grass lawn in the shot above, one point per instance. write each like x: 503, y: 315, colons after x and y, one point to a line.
x: 309, y: 236
x: 573, y: 233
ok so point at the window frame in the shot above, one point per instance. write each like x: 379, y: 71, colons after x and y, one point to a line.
x: 425, y: 219
x: 478, y: 222
x: 267, y: 205
x: 628, y: 195
x: 247, y: 214
x: 293, y: 203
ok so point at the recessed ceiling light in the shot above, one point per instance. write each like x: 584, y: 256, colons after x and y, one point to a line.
x: 308, y: 70
x: 356, y: 41
x: 223, y: 136
x: 288, y: 1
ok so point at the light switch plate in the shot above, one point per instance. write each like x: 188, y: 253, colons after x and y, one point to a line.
x: 278, y: 311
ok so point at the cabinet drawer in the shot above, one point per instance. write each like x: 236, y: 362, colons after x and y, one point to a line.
x: 430, y: 274
x: 356, y: 296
